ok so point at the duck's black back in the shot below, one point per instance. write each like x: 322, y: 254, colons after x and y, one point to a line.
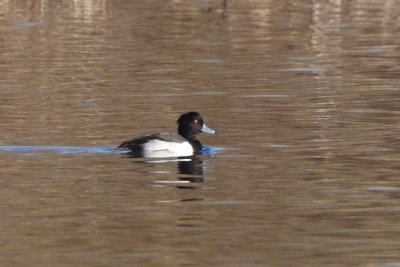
x: 141, y: 140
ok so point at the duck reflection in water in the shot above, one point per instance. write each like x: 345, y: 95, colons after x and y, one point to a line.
x: 191, y: 170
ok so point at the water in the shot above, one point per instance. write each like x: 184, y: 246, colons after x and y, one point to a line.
x: 304, y: 96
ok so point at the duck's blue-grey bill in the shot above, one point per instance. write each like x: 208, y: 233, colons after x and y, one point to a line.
x: 207, y: 130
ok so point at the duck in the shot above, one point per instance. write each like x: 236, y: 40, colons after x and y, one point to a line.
x: 181, y: 144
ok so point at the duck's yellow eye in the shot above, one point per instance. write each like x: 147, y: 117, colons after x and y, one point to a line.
x: 195, y: 121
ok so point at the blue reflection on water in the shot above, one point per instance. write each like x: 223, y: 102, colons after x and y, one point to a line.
x: 210, y: 150
x: 61, y: 149
x: 27, y: 24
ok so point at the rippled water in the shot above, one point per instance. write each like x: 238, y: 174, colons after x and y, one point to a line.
x: 305, y: 98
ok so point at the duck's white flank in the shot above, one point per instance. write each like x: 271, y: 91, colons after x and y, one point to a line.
x: 158, y: 149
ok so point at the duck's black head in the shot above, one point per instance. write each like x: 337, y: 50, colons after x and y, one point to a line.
x: 190, y: 124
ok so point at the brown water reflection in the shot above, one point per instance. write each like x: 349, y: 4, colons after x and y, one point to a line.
x: 304, y: 95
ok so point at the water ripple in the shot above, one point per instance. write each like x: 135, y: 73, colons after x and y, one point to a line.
x: 27, y: 24
x: 304, y: 70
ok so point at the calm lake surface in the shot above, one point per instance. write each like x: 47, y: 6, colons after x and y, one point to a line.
x: 304, y: 171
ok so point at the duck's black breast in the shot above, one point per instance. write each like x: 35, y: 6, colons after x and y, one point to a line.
x: 141, y: 140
